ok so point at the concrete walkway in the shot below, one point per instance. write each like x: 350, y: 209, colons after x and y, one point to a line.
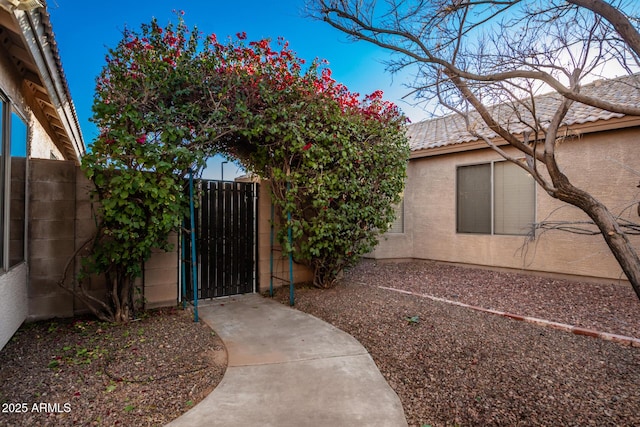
x: 287, y: 368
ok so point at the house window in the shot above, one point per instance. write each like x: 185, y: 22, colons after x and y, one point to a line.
x: 17, y: 193
x: 13, y: 166
x: 494, y: 198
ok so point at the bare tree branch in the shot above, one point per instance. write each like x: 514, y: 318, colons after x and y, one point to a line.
x: 620, y: 22
x: 479, y: 61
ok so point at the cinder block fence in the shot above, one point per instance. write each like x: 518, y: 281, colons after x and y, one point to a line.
x: 60, y: 223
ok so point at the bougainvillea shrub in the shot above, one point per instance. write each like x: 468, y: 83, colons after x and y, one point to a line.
x: 169, y: 97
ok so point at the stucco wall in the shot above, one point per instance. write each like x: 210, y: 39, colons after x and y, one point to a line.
x: 280, y: 271
x: 13, y: 301
x: 26, y: 99
x: 42, y: 147
x: 10, y: 82
x: 41, y: 144
x: 607, y: 164
x: 13, y: 283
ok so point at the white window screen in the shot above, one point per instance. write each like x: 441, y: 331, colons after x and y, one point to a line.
x: 513, y: 199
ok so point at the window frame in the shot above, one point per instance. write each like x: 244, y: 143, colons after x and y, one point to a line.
x: 5, y: 135
x: 8, y: 109
x: 492, y: 213
x: 12, y: 258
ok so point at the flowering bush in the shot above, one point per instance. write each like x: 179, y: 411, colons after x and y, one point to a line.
x: 336, y: 161
x: 168, y: 98
x: 157, y: 119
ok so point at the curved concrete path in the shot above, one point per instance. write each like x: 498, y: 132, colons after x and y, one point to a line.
x: 287, y: 368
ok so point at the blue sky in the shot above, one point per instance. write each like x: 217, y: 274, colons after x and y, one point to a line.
x: 84, y: 31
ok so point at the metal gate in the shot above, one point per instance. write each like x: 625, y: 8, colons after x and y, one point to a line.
x: 226, y: 239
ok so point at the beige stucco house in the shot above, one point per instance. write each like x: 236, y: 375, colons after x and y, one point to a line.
x: 38, y: 120
x: 464, y: 204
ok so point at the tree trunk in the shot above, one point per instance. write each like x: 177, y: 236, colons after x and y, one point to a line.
x: 619, y: 244
x: 323, y: 277
x: 616, y: 238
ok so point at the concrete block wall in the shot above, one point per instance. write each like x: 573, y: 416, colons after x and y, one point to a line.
x: 84, y: 231
x: 61, y: 221
x: 161, y: 277
x: 52, y: 201
x: 13, y: 301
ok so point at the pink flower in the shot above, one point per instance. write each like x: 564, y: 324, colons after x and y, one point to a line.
x: 306, y: 147
x: 142, y: 139
x: 242, y: 35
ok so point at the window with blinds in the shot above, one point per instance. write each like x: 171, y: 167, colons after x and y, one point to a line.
x: 494, y: 198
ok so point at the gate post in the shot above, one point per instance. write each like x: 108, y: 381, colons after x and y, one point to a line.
x: 290, y: 237
x: 194, y: 268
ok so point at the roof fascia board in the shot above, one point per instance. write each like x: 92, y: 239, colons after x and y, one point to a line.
x: 34, y: 38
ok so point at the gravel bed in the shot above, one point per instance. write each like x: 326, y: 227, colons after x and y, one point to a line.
x: 453, y: 366
x: 89, y: 373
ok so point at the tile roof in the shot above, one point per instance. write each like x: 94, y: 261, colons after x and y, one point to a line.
x: 30, y: 42
x: 452, y: 130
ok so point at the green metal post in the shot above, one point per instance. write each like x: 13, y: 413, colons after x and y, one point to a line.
x: 194, y: 269
x: 291, y: 295
x: 183, y: 263
x: 271, y: 256
x: 290, y: 236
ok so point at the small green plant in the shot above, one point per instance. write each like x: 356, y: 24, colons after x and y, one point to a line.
x: 189, y: 402
x: 53, y: 326
x: 54, y: 364
x: 81, y: 355
x: 129, y: 408
x: 140, y: 300
x: 412, y: 320
x: 111, y: 387
x: 82, y: 327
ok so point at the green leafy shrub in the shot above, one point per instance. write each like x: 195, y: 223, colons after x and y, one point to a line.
x: 168, y: 98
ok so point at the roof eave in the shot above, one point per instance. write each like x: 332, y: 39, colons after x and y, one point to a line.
x: 36, y: 57
x: 579, y: 129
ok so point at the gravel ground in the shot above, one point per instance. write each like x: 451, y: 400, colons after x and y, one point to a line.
x: 83, y: 372
x: 453, y: 366
x: 450, y: 365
